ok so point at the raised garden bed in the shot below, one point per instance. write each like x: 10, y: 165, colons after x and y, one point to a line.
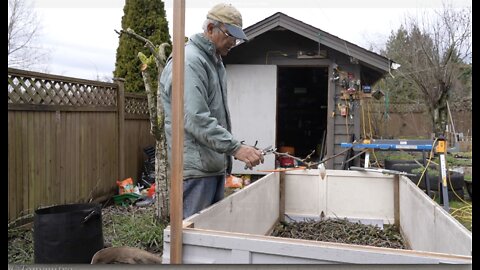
x: 237, y: 229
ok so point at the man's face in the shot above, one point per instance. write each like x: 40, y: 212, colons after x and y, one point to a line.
x: 221, y: 38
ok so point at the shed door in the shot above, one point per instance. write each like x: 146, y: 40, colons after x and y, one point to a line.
x: 252, y: 99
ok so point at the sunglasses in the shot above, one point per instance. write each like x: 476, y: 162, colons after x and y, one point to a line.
x: 228, y: 35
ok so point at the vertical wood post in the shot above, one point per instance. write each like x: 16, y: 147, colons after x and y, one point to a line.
x: 330, y: 121
x: 396, y: 200
x: 176, y: 198
x: 281, y: 214
x: 121, y: 127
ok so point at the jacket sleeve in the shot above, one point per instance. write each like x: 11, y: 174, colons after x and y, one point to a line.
x: 198, y: 119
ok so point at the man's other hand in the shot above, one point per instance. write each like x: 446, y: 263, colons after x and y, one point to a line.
x: 250, y: 155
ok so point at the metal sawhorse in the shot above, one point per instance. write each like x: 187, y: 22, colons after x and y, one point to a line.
x: 439, y: 146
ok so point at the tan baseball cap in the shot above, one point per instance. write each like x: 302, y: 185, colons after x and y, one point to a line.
x: 230, y: 16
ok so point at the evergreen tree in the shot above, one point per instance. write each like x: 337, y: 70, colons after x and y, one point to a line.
x: 147, y: 18
x: 401, y: 90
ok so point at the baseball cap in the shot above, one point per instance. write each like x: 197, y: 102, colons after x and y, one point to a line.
x: 230, y: 16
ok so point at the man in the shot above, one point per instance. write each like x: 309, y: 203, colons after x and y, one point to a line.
x: 208, y: 142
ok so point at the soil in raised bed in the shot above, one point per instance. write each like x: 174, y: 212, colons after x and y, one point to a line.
x: 341, y: 231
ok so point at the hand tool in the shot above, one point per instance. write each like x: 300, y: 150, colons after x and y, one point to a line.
x: 265, y: 151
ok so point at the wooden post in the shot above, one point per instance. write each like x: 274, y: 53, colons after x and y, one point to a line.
x: 396, y: 200
x: 330, y: 151
x: 281, y: 214
x: 176, y: 197
x: 121, y: 127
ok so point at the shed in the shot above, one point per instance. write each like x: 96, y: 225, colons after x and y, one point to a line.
x: 287, y: 87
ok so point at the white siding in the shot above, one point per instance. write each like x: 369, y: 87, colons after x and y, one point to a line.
x: 252, y: 100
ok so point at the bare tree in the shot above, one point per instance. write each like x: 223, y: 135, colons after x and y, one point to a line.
x: 152, y: 68
x: 23, y: 31
x: 433, y: 53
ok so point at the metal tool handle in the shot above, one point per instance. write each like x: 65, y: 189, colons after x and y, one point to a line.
x: 265, y: 151
x: 90, y: 215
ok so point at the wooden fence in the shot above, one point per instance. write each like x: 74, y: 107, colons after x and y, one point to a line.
x: 411, y: 120
x: 70, y: 139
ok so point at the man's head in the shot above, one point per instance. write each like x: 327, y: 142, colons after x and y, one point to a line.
x: 224, y: 27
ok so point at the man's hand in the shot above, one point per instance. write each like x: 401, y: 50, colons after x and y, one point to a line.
x: 250, y: 155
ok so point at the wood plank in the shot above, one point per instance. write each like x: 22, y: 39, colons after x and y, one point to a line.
x: 121, y: 130
x: 176, y: 191
x: 129, y: 116
x: 75, y: 158
x: 114, y: 154
x: 288, y: 251
x: 341, y: 129
x: 104, y: 139
x: 109, y: 143
x: 341, y: 138
x: 396, y: 200
x: 129, y: 130
x: 93, y: 150
x: 76, y: 153
x: 31, y: 161
x: 427, y: 226
x: 39, y: 158
x: 330, y: 120
x: 135, y: 150
x: 281, y: 213
x: 12, y: 173
x: 48, y: 158
x: 57, y: 161
x: 81, y: 151
x: 89, y: 149
x: 97, y: 149
x: 68, y: 159
x: 62, y: 144
x: 19, y: 163
x: 135, y: 95
x: 260, y: 209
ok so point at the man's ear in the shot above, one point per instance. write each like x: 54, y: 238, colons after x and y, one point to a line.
x: 210, y: 27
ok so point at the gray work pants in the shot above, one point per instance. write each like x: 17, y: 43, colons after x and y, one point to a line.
x: 199, y: 193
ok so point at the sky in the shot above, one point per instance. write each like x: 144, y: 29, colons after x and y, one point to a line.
x: 82, y: 43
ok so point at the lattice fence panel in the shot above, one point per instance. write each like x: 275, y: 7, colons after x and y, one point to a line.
x: 136, y: 104
x: 41, y: 91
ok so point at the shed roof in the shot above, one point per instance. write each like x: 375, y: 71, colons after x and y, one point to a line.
x: 279, y: 19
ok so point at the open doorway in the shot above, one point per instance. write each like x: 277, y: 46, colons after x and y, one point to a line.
x: 302, y: 110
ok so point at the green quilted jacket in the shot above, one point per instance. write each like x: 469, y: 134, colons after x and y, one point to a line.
x: 208, y: 142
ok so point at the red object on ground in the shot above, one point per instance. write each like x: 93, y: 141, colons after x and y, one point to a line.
x: 286, y: 162
x: 151, y: 191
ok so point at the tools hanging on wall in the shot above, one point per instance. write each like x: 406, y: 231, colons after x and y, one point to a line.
x: 351, y: 87
x: 343, y: 109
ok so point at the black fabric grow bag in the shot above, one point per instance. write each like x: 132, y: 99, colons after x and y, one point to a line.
x: 69, y: 233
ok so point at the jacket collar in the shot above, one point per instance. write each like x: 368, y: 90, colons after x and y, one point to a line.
x: 206, y: 45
